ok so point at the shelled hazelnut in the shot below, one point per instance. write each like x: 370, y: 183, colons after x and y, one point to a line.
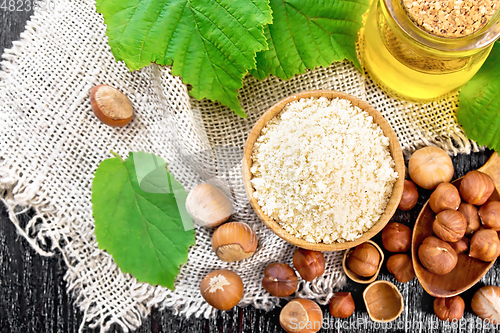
x: 396, y: 237
x: 437, y: 256
x: 450, y: 225
x: 279, y: 280
x: 444, y: 197
x: 364, y: 260
x: 476, y: 187
x: 449, y: 308
x: 485, y: 245
x: 342, y: 305
x: 401, y: 266
x: 410, y: 196
x: 309, y: 264
x: 461, y: 246
x: 489, y: 214
x: 470, y: 213
x: 430, y: 166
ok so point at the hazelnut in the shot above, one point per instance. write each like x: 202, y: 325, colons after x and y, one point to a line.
x: 410, y: 196
x: 429, y: 167
x: 490, y: 215
x: 234, y: 241
x: 486, y: 304
x: 471, y: 215
x: 449, y: 308
x: 485, y: 245
x: 279, y: 280
x: 309, y: 264
x: 396, y: 237
x: 301, y: 316
x: 476, y: 187
x: 450, y: 225
x: 207, y: 206
x: 342, y: 305
x: 364, y: 260
x: 461, y: 246
x: 111, y: 106
x: 444, y: 197
x: 222, y: 289
x: 437, y: 256
x: 401, y: 267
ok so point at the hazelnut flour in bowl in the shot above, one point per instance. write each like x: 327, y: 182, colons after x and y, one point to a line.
x: 323, y: 170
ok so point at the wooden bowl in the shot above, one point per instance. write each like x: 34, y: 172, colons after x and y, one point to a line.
x: 361, y: 279
x: 468, y: 271
x: 394, y: 147
x: 383, y: 301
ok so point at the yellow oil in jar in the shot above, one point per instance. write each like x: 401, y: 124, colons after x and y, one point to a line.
x: 409, y: 70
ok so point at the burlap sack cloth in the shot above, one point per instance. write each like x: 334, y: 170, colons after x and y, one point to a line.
x: 51, y: 144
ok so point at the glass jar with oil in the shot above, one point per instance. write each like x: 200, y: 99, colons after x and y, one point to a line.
x: 412, y: 63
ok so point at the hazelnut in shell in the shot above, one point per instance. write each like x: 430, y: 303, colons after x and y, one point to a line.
x: 234, y: 241
x: 396, y: 237
x: 342, y: 305
x: 471, y: 215
x: 410, y: 196
x: 485, y: 245
x: 364, y: 260
x: 301, y: 316
x: 401, y: 267
x: 437, y: 256
x: 111, y: 106
x: 444, y: 197
x: 222, y: 289
x: 429, y: 167
x: 309, y: 264
x: 207, y: 206
x: 489, y: 214
x: 486, y: 304
x: 449, y: 308
x: 450, y: 225
x: 279, y: 280
x: 476, y: 187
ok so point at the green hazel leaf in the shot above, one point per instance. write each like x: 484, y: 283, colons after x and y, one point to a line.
x: 140, y: 218
x: 309, y: 33
x: 479, y: 106
x: 211, y: 43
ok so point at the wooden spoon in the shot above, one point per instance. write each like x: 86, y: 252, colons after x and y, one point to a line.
x: 468, y: 270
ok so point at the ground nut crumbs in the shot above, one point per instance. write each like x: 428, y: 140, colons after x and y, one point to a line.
x: 323, y: 170
x: 450, y: 18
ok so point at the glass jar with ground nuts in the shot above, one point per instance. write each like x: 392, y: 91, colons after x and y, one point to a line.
x: 420, y: 50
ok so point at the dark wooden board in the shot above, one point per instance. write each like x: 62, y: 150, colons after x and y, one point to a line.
x: 33, y: 295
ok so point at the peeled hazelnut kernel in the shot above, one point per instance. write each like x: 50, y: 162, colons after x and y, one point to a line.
x: 279, y: 280
x: 396, y: 237
x: 485, y: 245
x: 309, y: 264
x: 450, y: 225
x: 430, y: 166
x: 410, y: 196
x: 222, y: 289
x: 342, y: 305
x: 489, y: 214
x: 364, y: 260
x: 476, y: 187
x: 486, y: 304
x: 207, y: 206
x: 401, y: 267
x: 437, y: 256
x: 444, y: 197
x: 111, y: 106
x: 234, y: 241
x: 449, y: 308
x: 471, y: 215
x: 461, y: 246
x: 301, y: 316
